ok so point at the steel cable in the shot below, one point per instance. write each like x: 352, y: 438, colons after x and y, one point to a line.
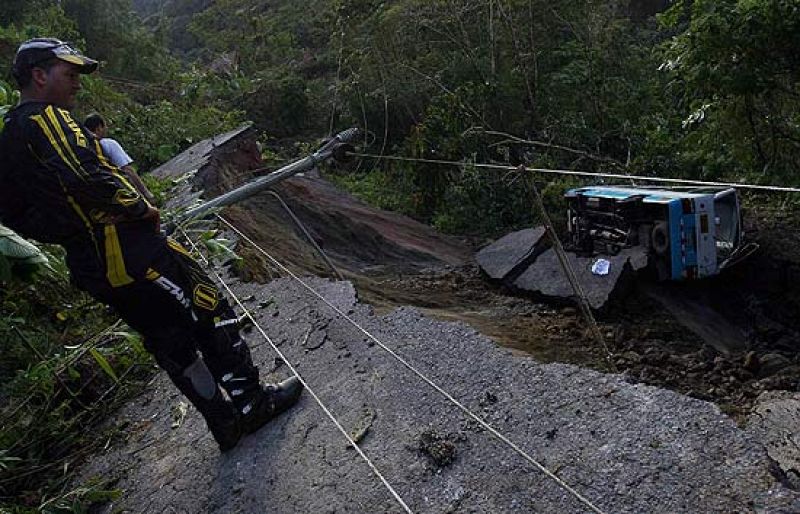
x: 301, y: 379
x: 419, y: 374
x: 781, y: 189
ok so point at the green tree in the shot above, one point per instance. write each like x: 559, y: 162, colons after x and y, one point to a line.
x: 115, y: 36
x: 736, y: 77
x: 282, y: 48
x: 569, y: 84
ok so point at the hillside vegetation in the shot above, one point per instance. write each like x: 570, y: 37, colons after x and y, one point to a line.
x: 703, y: 89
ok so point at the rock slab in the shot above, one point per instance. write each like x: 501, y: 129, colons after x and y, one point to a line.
x: 501, y: 257
x: 628, y: 448
x: 546, y: 277
x: 522, y: 260
x: 775, y: 420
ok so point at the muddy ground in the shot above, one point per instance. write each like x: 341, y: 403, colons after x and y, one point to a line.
x: 759, y: 299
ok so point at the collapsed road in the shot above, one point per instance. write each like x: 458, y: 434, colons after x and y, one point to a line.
x: 625, y: 446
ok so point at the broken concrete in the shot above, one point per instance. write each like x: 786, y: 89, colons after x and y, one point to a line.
x: 500, y: 258
x: 546, y: 277
x: 208, y: 160
x: 774, y: 422
x: 523, y: 260
x: 695, y: 313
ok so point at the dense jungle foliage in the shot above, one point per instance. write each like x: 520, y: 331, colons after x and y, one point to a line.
x: 704, y: 89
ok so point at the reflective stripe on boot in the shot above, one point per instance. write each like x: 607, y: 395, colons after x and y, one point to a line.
x: 243, y: 391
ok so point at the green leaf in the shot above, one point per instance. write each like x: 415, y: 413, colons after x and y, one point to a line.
x: 103, y: 495
x: 208, y: 234
x: 165, y: 152
x: 103, y: 363
x: 221, y: 247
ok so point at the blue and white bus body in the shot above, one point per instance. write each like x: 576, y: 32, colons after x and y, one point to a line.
x: 687, y: 236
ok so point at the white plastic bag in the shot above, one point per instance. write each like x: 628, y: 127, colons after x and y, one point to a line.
x: 601, y: 267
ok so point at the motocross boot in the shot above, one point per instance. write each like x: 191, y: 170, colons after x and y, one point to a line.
x: 270, y: 403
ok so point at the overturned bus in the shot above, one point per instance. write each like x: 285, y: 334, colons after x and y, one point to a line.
x: 689, y: 233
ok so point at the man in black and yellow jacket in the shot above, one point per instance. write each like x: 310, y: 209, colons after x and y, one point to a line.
x: 56, y: 186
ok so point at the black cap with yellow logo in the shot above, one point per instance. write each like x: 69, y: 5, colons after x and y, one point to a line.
x: 37, y: 51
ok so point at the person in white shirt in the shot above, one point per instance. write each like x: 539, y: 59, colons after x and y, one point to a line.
x: 116, y: 155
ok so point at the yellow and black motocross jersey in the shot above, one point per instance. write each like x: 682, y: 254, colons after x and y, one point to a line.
x: 57, y: 187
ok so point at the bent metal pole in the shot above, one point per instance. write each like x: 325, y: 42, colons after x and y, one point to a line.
x: 337, y: 147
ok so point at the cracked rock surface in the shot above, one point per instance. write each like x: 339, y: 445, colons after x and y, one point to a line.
x: 628, y: 448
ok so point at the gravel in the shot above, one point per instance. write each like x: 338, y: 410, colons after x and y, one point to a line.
x: 627, y: 448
